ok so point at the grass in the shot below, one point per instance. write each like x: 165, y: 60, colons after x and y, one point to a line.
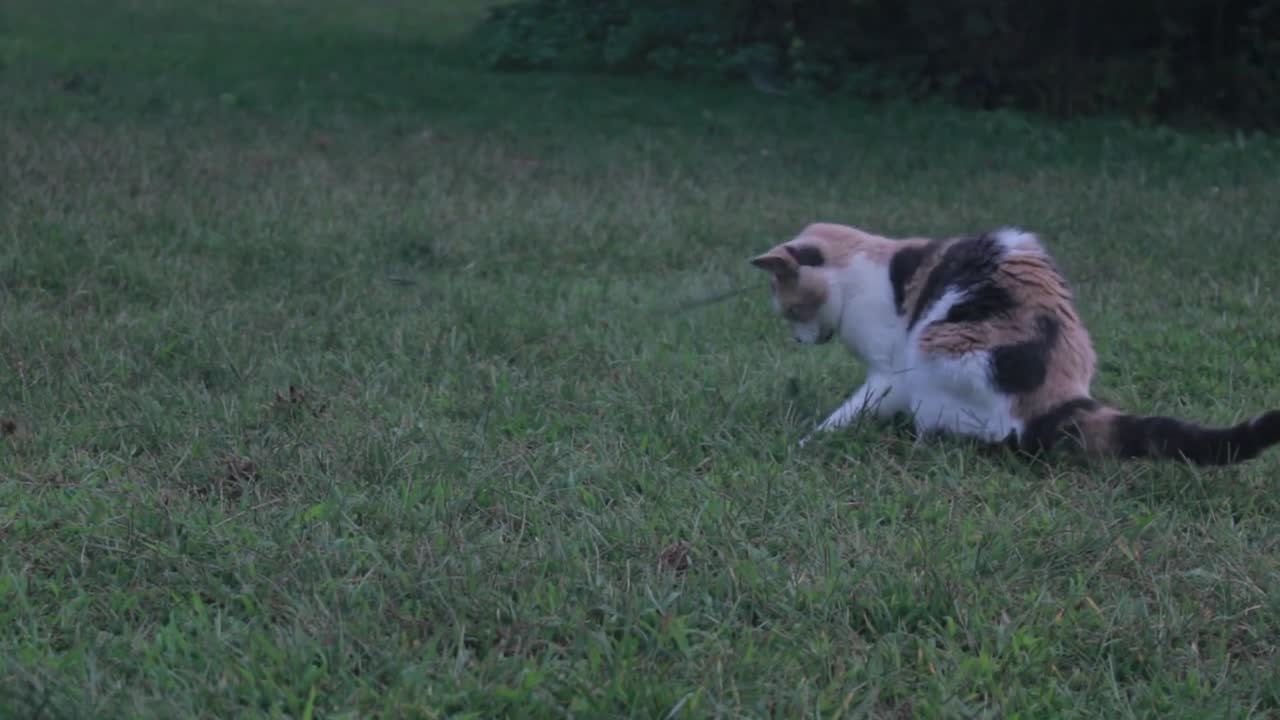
x: 340, y: 379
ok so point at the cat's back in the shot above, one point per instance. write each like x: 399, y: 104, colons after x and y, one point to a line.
x: 1001, y: 293
x: 976, y: 278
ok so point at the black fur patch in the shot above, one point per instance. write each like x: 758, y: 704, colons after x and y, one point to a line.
x: 1022, y: 367
x: 806, y: 255
x: 1137, y: 437
x: 1266, y: 429
x: 968, y: 264
x: 982, y: 302
x: 1043, y: 431
x: 1165, y: 437
x: 903, y: 266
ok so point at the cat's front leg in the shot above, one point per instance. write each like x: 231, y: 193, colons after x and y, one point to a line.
x: 876, y: 396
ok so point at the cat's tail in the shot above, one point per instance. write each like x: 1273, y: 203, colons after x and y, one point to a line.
x: 1104, y: 430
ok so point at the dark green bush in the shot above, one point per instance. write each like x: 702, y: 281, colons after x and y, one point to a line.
x: 615, y: 35
x: 1154, y: 58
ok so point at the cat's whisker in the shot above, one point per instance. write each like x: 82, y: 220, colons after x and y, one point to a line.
x: 689, y: 305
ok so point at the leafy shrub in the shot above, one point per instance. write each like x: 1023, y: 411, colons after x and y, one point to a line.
x: 610, y: 34
x: 1144, y: 57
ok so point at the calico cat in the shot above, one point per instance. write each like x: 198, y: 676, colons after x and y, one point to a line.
x: 977, y: 336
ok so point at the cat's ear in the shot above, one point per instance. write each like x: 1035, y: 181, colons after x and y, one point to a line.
x: 778, y: 262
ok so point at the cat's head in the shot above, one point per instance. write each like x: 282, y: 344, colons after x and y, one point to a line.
x: 801, y: 289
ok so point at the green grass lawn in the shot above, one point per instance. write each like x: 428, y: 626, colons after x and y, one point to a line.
x: 339, y: 378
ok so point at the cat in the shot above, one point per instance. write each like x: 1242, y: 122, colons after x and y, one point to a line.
x: 977, y: 336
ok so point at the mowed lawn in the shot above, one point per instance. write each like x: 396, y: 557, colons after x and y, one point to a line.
x: 340, y: 378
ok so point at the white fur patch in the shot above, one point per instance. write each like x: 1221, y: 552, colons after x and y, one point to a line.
x: 867, y: 322
x: 955, y: 394
x: 806, y: 332
x: 938, y: 310
x: 1015, y: 240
